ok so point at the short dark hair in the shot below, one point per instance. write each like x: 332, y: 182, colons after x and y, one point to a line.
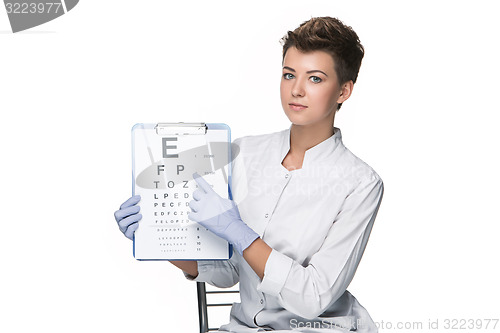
x: 330, y: 35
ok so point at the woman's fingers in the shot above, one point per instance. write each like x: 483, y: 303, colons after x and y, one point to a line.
x: 130, y: 230
x: 128, y: 221
x: 197, y: 195
x: 131, y: 201
x: 202, y: 183
x: 194, y: 205
x: 125, y: 212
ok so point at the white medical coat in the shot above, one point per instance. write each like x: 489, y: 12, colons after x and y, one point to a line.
x: 317, y: 221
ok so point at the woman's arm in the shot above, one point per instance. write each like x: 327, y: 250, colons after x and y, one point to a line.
x: 256, y: 256
x: 188, y: 266
x: 309, y: 290
x: 218, y: 273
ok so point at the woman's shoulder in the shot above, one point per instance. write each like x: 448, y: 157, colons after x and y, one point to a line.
x: 357, y: 168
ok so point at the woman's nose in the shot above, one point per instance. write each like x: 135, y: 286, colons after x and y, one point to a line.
x: 298, y: 89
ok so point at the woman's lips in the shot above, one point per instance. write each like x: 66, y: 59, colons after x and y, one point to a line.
x: 297, y: 107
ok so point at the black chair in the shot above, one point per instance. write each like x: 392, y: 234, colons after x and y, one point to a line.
x: 203, y: 306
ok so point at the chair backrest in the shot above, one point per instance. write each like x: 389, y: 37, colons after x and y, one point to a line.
x: 203, y: 305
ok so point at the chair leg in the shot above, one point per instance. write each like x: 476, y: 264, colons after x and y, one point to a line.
x: 202, y: 307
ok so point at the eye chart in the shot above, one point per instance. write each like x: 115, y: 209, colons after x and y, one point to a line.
x: 165, y: 156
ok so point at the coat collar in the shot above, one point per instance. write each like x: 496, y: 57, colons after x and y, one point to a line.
x: 319, y: 152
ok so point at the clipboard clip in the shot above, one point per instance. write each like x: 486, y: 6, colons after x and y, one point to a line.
x: 181, y: 128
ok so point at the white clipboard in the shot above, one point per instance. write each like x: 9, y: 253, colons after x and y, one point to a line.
x: 164, y: 158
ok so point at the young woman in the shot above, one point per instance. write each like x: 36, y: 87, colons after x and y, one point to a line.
x: 303, y: 204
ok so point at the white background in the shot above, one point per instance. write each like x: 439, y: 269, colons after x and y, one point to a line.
x: 424, y: 115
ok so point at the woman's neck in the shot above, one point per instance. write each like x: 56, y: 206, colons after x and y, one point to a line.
x: 304, y: 137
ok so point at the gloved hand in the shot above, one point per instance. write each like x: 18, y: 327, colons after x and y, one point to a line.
x: 128, y: 216
x: 219, y: 215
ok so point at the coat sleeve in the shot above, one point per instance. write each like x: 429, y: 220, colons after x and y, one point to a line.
x: 309, y: 291
x: 218, y: 273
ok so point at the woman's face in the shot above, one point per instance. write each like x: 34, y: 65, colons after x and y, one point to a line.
x: 309, y: 88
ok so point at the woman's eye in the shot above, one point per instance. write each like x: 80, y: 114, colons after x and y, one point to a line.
x: 287, y: 76
x: 316, y: 79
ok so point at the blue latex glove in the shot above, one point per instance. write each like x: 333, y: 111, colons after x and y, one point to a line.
x: 128, y: 216
x: 219, y: 215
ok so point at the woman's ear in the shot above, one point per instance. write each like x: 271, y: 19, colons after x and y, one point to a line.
x: 345, y: 91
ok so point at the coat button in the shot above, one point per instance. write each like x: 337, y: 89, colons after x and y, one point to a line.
x: 266, y: 216
x: 261, y: 301
x: 286, y: 176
